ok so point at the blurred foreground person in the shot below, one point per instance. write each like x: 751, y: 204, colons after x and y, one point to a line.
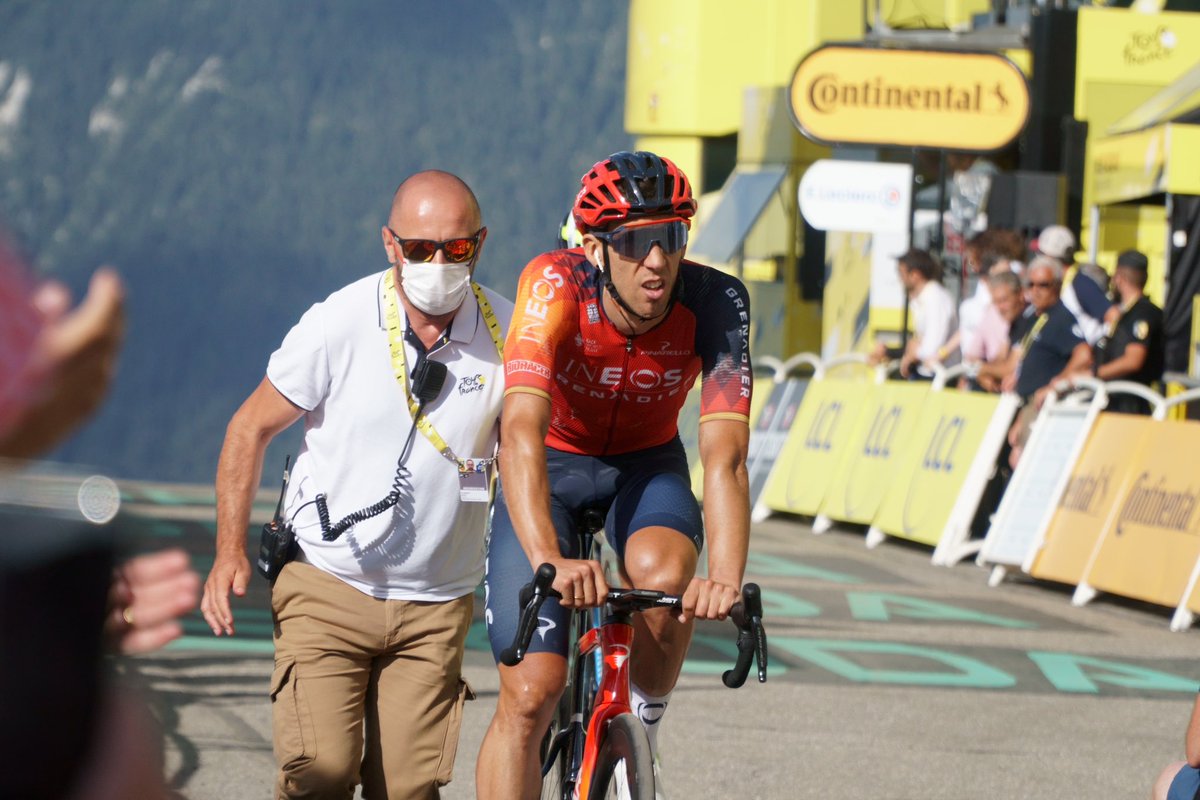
x: 1181, y: 779
x: 65, y: 731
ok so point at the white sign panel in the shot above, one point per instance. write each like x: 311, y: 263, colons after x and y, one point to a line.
x: 1037, y: 484
x: 856, y: 196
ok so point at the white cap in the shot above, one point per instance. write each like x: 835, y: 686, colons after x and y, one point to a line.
x: 1058, y: 242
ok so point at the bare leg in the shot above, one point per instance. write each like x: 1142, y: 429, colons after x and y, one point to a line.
x: 662, y: 559
x: 508, y: 767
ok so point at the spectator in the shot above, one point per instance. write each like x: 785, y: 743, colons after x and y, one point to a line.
x: 1181, y: 780
x: 372, y: 614
x: 933, y: 315
x: 1134, y: 348
x: 988, y: 253
x: 1052, y: 348
x: 1004, y: 325
x: 1083, y: 295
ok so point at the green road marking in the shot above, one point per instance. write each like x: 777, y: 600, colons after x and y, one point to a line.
x: 965, y: 671
x: 223, y: 643
x: 1066, y: 671
x: 477, y: 637
x: 780, y: 604
x: 765, y: 565
x: 881, y: 606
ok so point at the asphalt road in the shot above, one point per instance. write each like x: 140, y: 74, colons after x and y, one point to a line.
x: 890, y: 678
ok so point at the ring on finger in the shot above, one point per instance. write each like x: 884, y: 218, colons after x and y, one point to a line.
x: 127, y: 615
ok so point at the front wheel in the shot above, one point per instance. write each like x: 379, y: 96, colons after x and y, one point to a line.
x: 624, y: 762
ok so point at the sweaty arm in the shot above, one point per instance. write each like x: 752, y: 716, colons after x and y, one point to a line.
x: 724, y: 444
x: 264, y: 414
x: 523, y: 426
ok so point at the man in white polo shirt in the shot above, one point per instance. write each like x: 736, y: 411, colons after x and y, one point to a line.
x: 372, y: 613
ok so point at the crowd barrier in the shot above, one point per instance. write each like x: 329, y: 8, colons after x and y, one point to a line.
x: 1103, y: 502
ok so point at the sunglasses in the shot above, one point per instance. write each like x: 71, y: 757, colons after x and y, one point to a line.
x: 1040, y: 284
x: 636, y: 240
x: 423, y: 250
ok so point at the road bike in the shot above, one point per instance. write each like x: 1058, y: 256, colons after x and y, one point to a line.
x: 595, y: 743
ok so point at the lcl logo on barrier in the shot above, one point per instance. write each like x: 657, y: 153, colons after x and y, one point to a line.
x: 943, y: 443
x: 878, y: 443
x: 820, y: 432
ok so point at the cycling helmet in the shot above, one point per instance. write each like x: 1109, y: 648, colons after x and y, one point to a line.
x: 627, y: 185
x: 568, y: 234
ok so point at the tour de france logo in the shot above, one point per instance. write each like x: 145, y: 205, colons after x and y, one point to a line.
x: 1148, y: 46
x: 471, y: 384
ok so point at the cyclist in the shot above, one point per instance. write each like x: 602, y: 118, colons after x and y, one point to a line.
x: 605, y: 343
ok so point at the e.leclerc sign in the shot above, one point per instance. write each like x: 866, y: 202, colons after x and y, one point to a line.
x: 843, y: 94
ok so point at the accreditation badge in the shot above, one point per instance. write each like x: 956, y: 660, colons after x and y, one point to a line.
x: 475, y: 480
x: 1141, y: 329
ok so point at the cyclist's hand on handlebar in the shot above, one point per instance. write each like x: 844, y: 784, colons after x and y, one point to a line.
x: 707, y: 599
x: 229, y: 571
x: 581, y: 583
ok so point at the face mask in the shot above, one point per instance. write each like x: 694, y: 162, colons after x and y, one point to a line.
x: 435, y: 288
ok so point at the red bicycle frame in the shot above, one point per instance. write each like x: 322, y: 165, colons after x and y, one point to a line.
x: 614, y: 638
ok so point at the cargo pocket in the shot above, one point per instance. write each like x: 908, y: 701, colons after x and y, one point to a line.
x: 295, y: 741
x: 445, y: 769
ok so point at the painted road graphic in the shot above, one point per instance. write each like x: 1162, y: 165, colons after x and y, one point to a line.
x: 836, y: 613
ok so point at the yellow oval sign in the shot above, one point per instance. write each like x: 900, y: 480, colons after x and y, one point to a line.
x: 911, y: 98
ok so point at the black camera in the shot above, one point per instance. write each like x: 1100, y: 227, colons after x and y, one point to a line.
x: 278, y: 547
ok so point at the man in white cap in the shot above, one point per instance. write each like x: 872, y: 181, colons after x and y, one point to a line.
x: 1082, y: 295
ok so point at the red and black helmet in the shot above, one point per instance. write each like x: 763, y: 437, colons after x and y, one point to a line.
x: 628, y: 185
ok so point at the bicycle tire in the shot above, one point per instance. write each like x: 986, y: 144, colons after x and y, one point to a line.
x: 553, y: 781
x: 625, y: 747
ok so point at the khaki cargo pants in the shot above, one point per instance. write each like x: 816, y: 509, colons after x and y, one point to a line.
x: 348, y: 664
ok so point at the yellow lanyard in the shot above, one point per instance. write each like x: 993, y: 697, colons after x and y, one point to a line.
x: 1033, y: 332
x: 400, y: 364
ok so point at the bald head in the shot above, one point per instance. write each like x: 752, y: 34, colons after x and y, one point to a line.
x: 435, y: 197
x: 432, y: 205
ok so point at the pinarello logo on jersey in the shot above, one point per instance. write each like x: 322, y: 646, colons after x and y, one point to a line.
x: 663, y: 348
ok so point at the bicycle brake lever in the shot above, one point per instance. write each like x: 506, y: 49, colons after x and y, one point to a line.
x: 531, y: 598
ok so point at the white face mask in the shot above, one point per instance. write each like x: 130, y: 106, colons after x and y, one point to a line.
x: 435, y: 288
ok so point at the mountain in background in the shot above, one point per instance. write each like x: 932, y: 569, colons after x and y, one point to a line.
x: 235, y: 162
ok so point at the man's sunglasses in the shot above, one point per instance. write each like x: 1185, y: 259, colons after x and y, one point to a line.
x: 635, y: 240
x: 1040, y: 284
x: 423, y: 250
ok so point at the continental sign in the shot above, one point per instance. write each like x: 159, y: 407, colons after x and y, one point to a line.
x: 1150, y: 548
x: 911, y: 98
x: 1099, y: 482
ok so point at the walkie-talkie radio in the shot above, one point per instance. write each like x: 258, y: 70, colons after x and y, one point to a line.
x: 278, y: 545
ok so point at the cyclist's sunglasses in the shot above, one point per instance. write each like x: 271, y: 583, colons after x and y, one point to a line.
x: 636, y: 239
x: 423, y: 250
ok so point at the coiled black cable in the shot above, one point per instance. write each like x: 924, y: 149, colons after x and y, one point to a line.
x: 331, y: 532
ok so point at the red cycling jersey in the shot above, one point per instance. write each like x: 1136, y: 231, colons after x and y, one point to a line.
x: 611, y: 393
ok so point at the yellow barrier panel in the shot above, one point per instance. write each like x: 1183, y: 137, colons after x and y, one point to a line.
x: 1148, y: 550
x: 931, y: 469
x: 818, y: 440
x: 885, y: 425
x: 1099, y: 480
